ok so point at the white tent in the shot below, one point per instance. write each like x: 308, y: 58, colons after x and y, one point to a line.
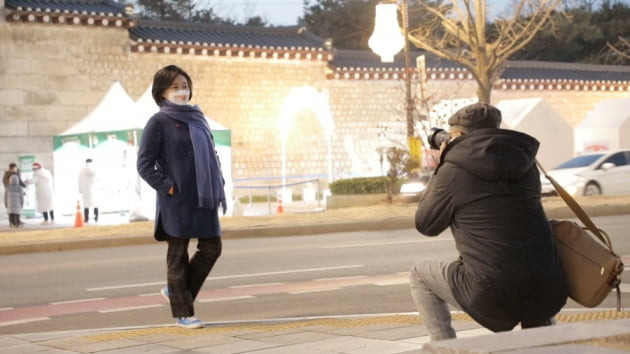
x: 606, y: 127
x: 112, y: 113
x: 110, y: 135
x: 535, y: 117
x: 105, y: 136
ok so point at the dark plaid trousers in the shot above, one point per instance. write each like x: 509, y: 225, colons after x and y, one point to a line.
x: 186, y: 276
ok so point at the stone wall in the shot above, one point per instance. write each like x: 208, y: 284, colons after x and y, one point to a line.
x: 51, y: 76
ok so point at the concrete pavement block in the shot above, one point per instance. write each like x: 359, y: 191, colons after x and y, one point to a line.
x: 239, y: 346
x: 24, y: 348
x: 396, y: 334
x: 297, y: 338
x: 569, y: 348
x: 101, y: 346
x: 531, y: 338
x: 145, y: 348
x: 347, y: 345
x: 6, y: 342
x: 263, y: 334
x: 200, y: 341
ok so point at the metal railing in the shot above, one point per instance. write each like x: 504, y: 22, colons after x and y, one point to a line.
x: 278, y: 188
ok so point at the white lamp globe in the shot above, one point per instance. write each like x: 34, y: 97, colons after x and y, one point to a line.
x: 386, y: 40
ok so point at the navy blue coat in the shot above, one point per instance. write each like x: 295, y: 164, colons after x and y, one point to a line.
x: 165, y: 159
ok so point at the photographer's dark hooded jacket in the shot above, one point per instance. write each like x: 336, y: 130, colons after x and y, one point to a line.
x: 487, y: 189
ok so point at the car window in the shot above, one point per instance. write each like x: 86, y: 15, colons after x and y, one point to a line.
x: 579, y: 161
x: 619, y: 159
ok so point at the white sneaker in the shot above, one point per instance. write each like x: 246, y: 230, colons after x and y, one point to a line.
x: 190, y: 322
x: 165, y: 294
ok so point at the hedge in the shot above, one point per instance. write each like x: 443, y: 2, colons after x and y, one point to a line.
x: 363, y: 185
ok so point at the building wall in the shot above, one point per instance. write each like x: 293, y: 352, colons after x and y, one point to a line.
x: 51, y: 76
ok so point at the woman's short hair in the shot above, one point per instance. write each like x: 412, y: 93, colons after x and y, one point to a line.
x: 163, y: 79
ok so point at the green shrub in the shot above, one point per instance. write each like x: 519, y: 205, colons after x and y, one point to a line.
x: 363, y: 185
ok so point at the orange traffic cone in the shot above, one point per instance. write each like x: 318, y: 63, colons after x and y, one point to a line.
x: 280, y: 208
x: 78, y: 218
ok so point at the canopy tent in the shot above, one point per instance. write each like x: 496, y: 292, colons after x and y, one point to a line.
x: 606, y: 127
x: 110, y: 136
x: 104, y: 135
x: 535, y: 117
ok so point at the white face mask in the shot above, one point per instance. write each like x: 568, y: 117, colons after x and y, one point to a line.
x: 179, y: 97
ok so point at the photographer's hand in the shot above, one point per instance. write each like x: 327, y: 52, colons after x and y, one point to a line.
x: 442, y: 148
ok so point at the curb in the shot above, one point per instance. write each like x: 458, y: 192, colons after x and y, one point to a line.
x: 240, y: 233
x: 397, y: 223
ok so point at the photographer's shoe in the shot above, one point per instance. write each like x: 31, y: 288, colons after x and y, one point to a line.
x: 189, y: 322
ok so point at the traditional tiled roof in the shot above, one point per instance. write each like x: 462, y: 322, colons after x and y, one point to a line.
x: 298, y: 43
x: 538, y: 75
x: 202, y: 39
x: 365, y: 65
x: 88, y: 6
x: 541, y: 70
x: 77, y: 12
x: 521, y: 75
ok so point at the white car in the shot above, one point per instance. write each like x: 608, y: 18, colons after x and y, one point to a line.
x: 411, y: 189
x: 606, y: 172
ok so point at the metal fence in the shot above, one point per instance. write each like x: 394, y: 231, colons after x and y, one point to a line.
x: 274, y: 196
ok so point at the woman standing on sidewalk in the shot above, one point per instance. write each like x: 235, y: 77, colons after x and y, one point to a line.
x: 14, y: 196
x: 177, y: 158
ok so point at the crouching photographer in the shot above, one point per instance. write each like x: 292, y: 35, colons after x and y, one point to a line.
x: 486, y: 188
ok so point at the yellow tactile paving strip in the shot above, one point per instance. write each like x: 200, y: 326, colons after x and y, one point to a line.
x: 330, y: 322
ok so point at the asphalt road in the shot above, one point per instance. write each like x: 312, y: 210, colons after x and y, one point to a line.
x: 257, y: 278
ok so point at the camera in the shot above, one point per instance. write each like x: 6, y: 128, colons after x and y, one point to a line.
x: 437, y: 137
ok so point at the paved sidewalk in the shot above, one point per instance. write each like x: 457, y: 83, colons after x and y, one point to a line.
x: 597, y: 331
x: 576, y: 332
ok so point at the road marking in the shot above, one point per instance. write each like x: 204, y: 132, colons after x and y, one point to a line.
x: 624, y: 288
x: 342, y: 278
x: 114, y: 287
x: 304, y: 270
x: 7, y: 308
x: 149, y: 294
x: 76, y: 301
x: 393, y: 282
x: 138, y: 285
x: 27, y: 320
x: 129, y: 308
x: 312, y: 291
x: 253, y: 285
x: 217, y: 299
x: 369, y: 244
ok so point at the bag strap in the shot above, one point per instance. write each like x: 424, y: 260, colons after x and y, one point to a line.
x: 578, y: 211
x: 581, y: 214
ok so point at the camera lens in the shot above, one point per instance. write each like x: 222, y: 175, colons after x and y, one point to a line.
x: 437, y: 137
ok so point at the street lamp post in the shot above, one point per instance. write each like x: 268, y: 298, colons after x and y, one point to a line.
x: 386, y: 41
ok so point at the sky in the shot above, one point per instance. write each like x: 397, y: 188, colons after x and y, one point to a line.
x: 275, y: 12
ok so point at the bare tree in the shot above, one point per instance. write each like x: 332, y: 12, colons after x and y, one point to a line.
x: 623, y: 43
x: 458, y: 31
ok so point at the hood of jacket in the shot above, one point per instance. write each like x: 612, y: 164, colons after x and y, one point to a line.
x: 499, y: 155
